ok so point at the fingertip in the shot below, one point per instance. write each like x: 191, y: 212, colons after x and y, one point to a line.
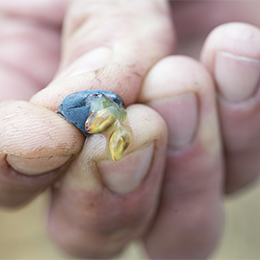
x: 145, y: 151
x: 192, y: 77
x: 237, y: 38
x: 182, y: 91
x: 36, y: 139
x: 232, y: 54
x: 35, y: 146
x: 112, y: 201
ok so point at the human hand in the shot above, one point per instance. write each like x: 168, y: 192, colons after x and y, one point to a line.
x: 87, y: 219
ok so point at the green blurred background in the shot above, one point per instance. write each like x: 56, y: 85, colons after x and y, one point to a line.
x: 23, y: 235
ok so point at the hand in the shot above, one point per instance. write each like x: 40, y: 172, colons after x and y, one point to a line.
x: 94, y: 218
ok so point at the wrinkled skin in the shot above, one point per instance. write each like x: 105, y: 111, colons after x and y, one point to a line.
x: 203, y: 140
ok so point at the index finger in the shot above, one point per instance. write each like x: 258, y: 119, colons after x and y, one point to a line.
x: 110, y: 50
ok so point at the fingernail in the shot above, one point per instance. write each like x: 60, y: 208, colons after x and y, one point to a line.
x: 237, y: 77
x: 180, y: 113
x: 90, y: 61
x: 35, y: 166
x: 126, y: 175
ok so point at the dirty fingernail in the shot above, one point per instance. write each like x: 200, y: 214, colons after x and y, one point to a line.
x: 34, y: 166
x: 126, y: 175
x: 180, y: 113
x: 237, y: 77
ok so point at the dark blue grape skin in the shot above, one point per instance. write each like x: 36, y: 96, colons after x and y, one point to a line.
x: 75, y: 107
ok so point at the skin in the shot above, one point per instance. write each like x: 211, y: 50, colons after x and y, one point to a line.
x: 134, y: 59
